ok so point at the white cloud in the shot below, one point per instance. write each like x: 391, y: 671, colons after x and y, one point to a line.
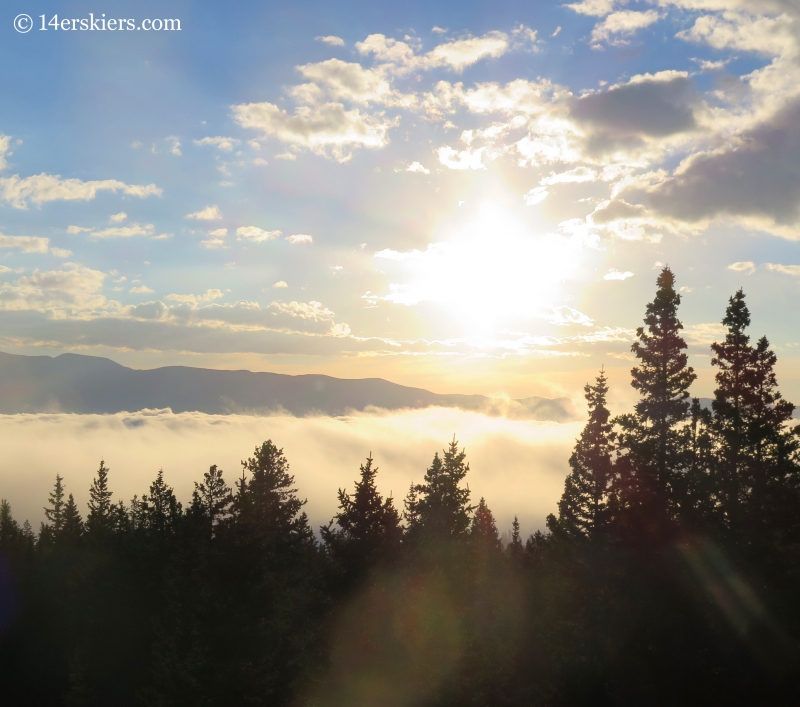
x: 343, y: 80
x: 134, y: 229
x: 71, y: 291
x: 299, y: 238
x: 328, y: 129
x: 619, y: 27
x: 116, y: 218
x: 536, y: 196
x: 460, y: 54
x: 466, y: 159
x: 226, y: 144
x: 75, y: 230
x: 594, y: 8
x: 5, y: 146
x: 417, y: 167
x: 332, y: 40
x: 785, y: 269
x: 175, y: 148
x: 210, y: 213
x: 27, y: 244
x: 573, y: 176
x: 42, y: 188
x: 60, y: 252
x: 141, y: 290
x: 280, y: 285
x: 209, y: 296
x: 256, y: 234
x: 617, y: 275
x: 304, y: 310
x: 743, y: 266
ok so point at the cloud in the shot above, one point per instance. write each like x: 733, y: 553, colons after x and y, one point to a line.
x: 466, y: 159
x: 619, y: 27
x: 649, y: 106
x: 216, y: 239
x: 141, y: 290
x: 27, y: 244
x: 299, y: 238
x: 116, y: 218
x: 328, y: 129
x: 455, y: 55
x: 343, y: 80
x: 755, y: 175
x: 536, y: 196
x: 210, y: 213
x: 578, y: 175
x: 617, y: 275
x: 594, y: 8
x: 75, y: 230
x: 743, y: 266
x: 280, y: 285
x: 324, y: 454
x: 417, y: 167
x: 304, y: 310
x: 332, y: 40
x: 256, y: 234
x: 5, y: 147
x: 134, y: 229
x: 175, y: 149
x: 226, y: 144
x: 785, y: 269
x: 42, y: 188
x: 71, y: 291
x: 208, y: 296
x: 60, y: 252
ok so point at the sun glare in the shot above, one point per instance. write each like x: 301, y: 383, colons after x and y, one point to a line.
x: 493, y: 273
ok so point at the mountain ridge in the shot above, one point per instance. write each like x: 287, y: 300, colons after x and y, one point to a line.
x: 76, y: 383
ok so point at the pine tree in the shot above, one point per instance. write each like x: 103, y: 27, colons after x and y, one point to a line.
x: 368, y: 526
x: 100, y: 520
x: 55, y: 513
x: 483, y: 528
x: 212, y: 498
x: 160, y: 509
x: 438, y: 508
x: 515, y: 547
x: 652, y: 479
x: 73, y: 525
x: 584, y: 506
x: 10, y: 532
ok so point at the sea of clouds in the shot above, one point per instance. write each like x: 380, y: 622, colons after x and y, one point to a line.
x: 519, y: 466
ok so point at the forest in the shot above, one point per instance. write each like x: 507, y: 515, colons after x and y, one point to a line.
x: 669, y: 573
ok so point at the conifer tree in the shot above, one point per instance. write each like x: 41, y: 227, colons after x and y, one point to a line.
x: 55, y: 513
x: 10, y: 532
x: 439, y: 507
x: 515, y: 547
x: 368, y: 525
x: 583, y: 511
x: 483, y: 528
x: 653, y: 475
x: 212, y: 498
x: 73, y: 525
x: 100, y: 520
x: 160, y: 508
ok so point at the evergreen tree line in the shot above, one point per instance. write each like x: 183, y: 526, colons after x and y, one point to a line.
x: 669, y: 576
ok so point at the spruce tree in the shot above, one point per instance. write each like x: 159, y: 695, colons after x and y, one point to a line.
x: 652, y: 480
x: 438, y: 508
x: 368, y: 526
x: 10, y: 532
x: 101, y: 518
x: 73, y: 525
x: 583, y: 511
x: 515, y: 547
x: 160, y: 508
x: 55, y: 513
x: 212, y: 498
x: 483, y: 528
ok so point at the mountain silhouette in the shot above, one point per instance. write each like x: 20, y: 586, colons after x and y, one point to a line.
x: 76, y: 383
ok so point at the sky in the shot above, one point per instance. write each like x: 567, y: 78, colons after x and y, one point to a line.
x: 471, y: 197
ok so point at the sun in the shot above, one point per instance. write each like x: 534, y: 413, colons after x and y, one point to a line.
x: 492, y: 273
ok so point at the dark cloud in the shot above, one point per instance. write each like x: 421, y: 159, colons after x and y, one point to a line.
x: 623, y: 115
x: 758, y: 176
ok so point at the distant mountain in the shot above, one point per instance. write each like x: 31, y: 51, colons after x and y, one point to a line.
x: 90, y: 384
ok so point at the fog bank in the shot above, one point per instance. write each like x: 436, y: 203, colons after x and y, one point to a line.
x: 519, y: 466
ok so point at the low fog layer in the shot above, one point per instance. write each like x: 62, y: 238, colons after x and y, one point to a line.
x: 519, y: 466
